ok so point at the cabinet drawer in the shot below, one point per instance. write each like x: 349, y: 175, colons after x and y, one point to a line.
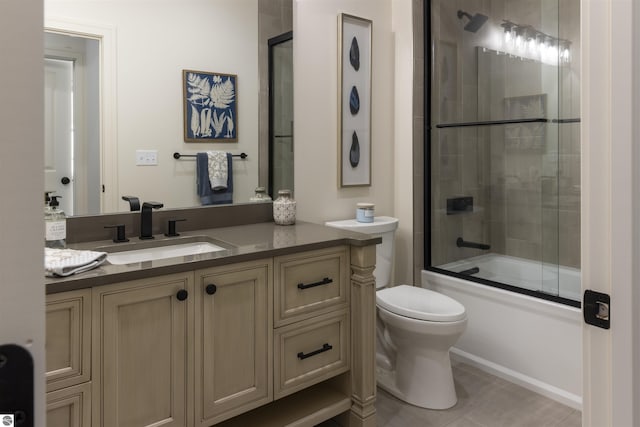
x: 70, y: 407
x: 68, y: 338
x: 310, y: 283
x: 310, y: 351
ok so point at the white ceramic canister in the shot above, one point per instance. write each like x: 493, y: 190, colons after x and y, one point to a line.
x: 284, y: 208
x: 365, y: 212
x: 260, y: 195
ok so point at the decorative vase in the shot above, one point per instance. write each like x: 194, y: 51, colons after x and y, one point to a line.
x: 260, y: 195
x: 284, y: 208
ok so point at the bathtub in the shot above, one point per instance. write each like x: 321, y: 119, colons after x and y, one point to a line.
x: 535, y: 276
x: 529, y: 341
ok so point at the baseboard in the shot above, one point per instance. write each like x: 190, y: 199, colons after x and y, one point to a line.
x: 540, y: 387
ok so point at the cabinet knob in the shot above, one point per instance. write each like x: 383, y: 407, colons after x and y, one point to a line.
x: 211, y: 289
x: 182, y: 295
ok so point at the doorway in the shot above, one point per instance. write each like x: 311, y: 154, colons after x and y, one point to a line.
x: 72, y: 122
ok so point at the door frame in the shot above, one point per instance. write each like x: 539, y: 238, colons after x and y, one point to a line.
x: 106, y: 35
x: 610, y: 208
x: 78, y: 169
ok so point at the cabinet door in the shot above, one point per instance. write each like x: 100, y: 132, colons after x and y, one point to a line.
x: 68, y: 342
x: 234, y: 320
x: 70, y: 407
x: 141, y: 341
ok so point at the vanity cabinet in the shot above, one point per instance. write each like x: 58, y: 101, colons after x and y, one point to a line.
x: 234, y: 330
x: 141, y: 352
x: 311, y: 301
x: 68, y: 366
x: 68, y: 339
x: 70, y: 406
x: 287, y: 340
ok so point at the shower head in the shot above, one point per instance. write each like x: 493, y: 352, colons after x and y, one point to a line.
x: 475, y: 22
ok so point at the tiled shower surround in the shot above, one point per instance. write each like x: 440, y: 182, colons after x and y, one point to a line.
x: 524, y: 178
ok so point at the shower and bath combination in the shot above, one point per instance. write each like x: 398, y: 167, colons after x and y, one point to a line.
x: 502, y: 150
x: 475, y: 21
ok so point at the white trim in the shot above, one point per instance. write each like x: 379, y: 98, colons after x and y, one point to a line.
x: 607, y: 208
x: 621, y: 46
x: 108, y: 100
x: 635, y: 206
x: 518, y: 378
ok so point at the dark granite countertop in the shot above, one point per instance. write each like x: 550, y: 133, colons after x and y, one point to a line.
x: 242, y: 243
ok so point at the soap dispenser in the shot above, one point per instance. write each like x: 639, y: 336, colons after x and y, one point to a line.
x: 55, y: 225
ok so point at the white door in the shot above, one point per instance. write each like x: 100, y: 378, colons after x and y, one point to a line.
x: 58, y: 135
x: 610, y: 209
x: 21, y: 118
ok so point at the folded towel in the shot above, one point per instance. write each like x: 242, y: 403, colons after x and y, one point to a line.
x: 217, y: 170
x: 65, y: 262
x: 203, y: 185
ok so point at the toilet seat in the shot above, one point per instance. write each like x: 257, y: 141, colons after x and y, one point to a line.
x: 420, y: 303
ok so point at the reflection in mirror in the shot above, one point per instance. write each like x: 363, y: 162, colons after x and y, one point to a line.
x: 72, y: 134
x: 280, y: 113
x: 139, y: 85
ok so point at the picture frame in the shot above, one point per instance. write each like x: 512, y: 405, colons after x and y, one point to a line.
x: 210, y: 106
x: 354, y: 101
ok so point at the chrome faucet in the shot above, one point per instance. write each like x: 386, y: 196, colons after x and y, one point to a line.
x: 146, y: 221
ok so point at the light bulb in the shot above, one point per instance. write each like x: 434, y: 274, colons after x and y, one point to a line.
x: 518, y: 42
x: 508, y: 37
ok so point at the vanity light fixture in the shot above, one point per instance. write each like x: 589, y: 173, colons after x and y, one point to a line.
x: 525, y: 40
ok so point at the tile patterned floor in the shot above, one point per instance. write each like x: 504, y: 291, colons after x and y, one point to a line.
x: 483, y: 401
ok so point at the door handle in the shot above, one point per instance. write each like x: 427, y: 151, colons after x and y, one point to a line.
x: 65, y: 180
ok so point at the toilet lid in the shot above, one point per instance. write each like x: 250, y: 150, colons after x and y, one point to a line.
x: 420, y: 303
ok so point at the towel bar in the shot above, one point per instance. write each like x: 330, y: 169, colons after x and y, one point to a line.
x: 177, y: 155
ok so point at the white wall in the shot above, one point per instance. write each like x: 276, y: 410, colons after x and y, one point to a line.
x: 316, y: 79
x: 403, y: 139
x: 315, y: 65
x: 155, y: 41
x: 22, y: 183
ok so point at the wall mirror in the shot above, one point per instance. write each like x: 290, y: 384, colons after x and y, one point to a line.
x: 113, y: 92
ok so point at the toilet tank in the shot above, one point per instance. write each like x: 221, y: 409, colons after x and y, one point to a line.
x: 383, y: 226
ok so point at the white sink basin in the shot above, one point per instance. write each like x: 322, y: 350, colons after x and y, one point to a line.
x: 162, y: 252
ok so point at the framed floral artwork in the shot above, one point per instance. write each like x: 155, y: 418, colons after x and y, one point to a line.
x: 210, y: 106
x: 354, y: 101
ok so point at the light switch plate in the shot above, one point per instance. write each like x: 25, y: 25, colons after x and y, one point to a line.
x: 146, y: 157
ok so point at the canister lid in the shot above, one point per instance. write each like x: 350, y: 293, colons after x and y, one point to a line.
x: 365, y: 205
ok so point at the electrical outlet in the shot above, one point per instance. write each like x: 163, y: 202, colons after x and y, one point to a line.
x: 146, y: 157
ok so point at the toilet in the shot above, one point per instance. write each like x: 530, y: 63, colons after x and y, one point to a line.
x: 416, y: 327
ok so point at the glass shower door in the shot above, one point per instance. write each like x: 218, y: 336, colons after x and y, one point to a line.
x: 503, y: 179
x: 280, y: 113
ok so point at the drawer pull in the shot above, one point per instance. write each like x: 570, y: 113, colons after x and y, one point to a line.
x: 325, y: 347
x: 324, y: 281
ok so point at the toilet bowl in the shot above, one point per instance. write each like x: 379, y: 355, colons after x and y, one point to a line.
x: 416, y: 327
x: 421, y: 326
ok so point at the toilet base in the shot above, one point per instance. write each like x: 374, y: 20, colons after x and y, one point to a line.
x: 431, y: 387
